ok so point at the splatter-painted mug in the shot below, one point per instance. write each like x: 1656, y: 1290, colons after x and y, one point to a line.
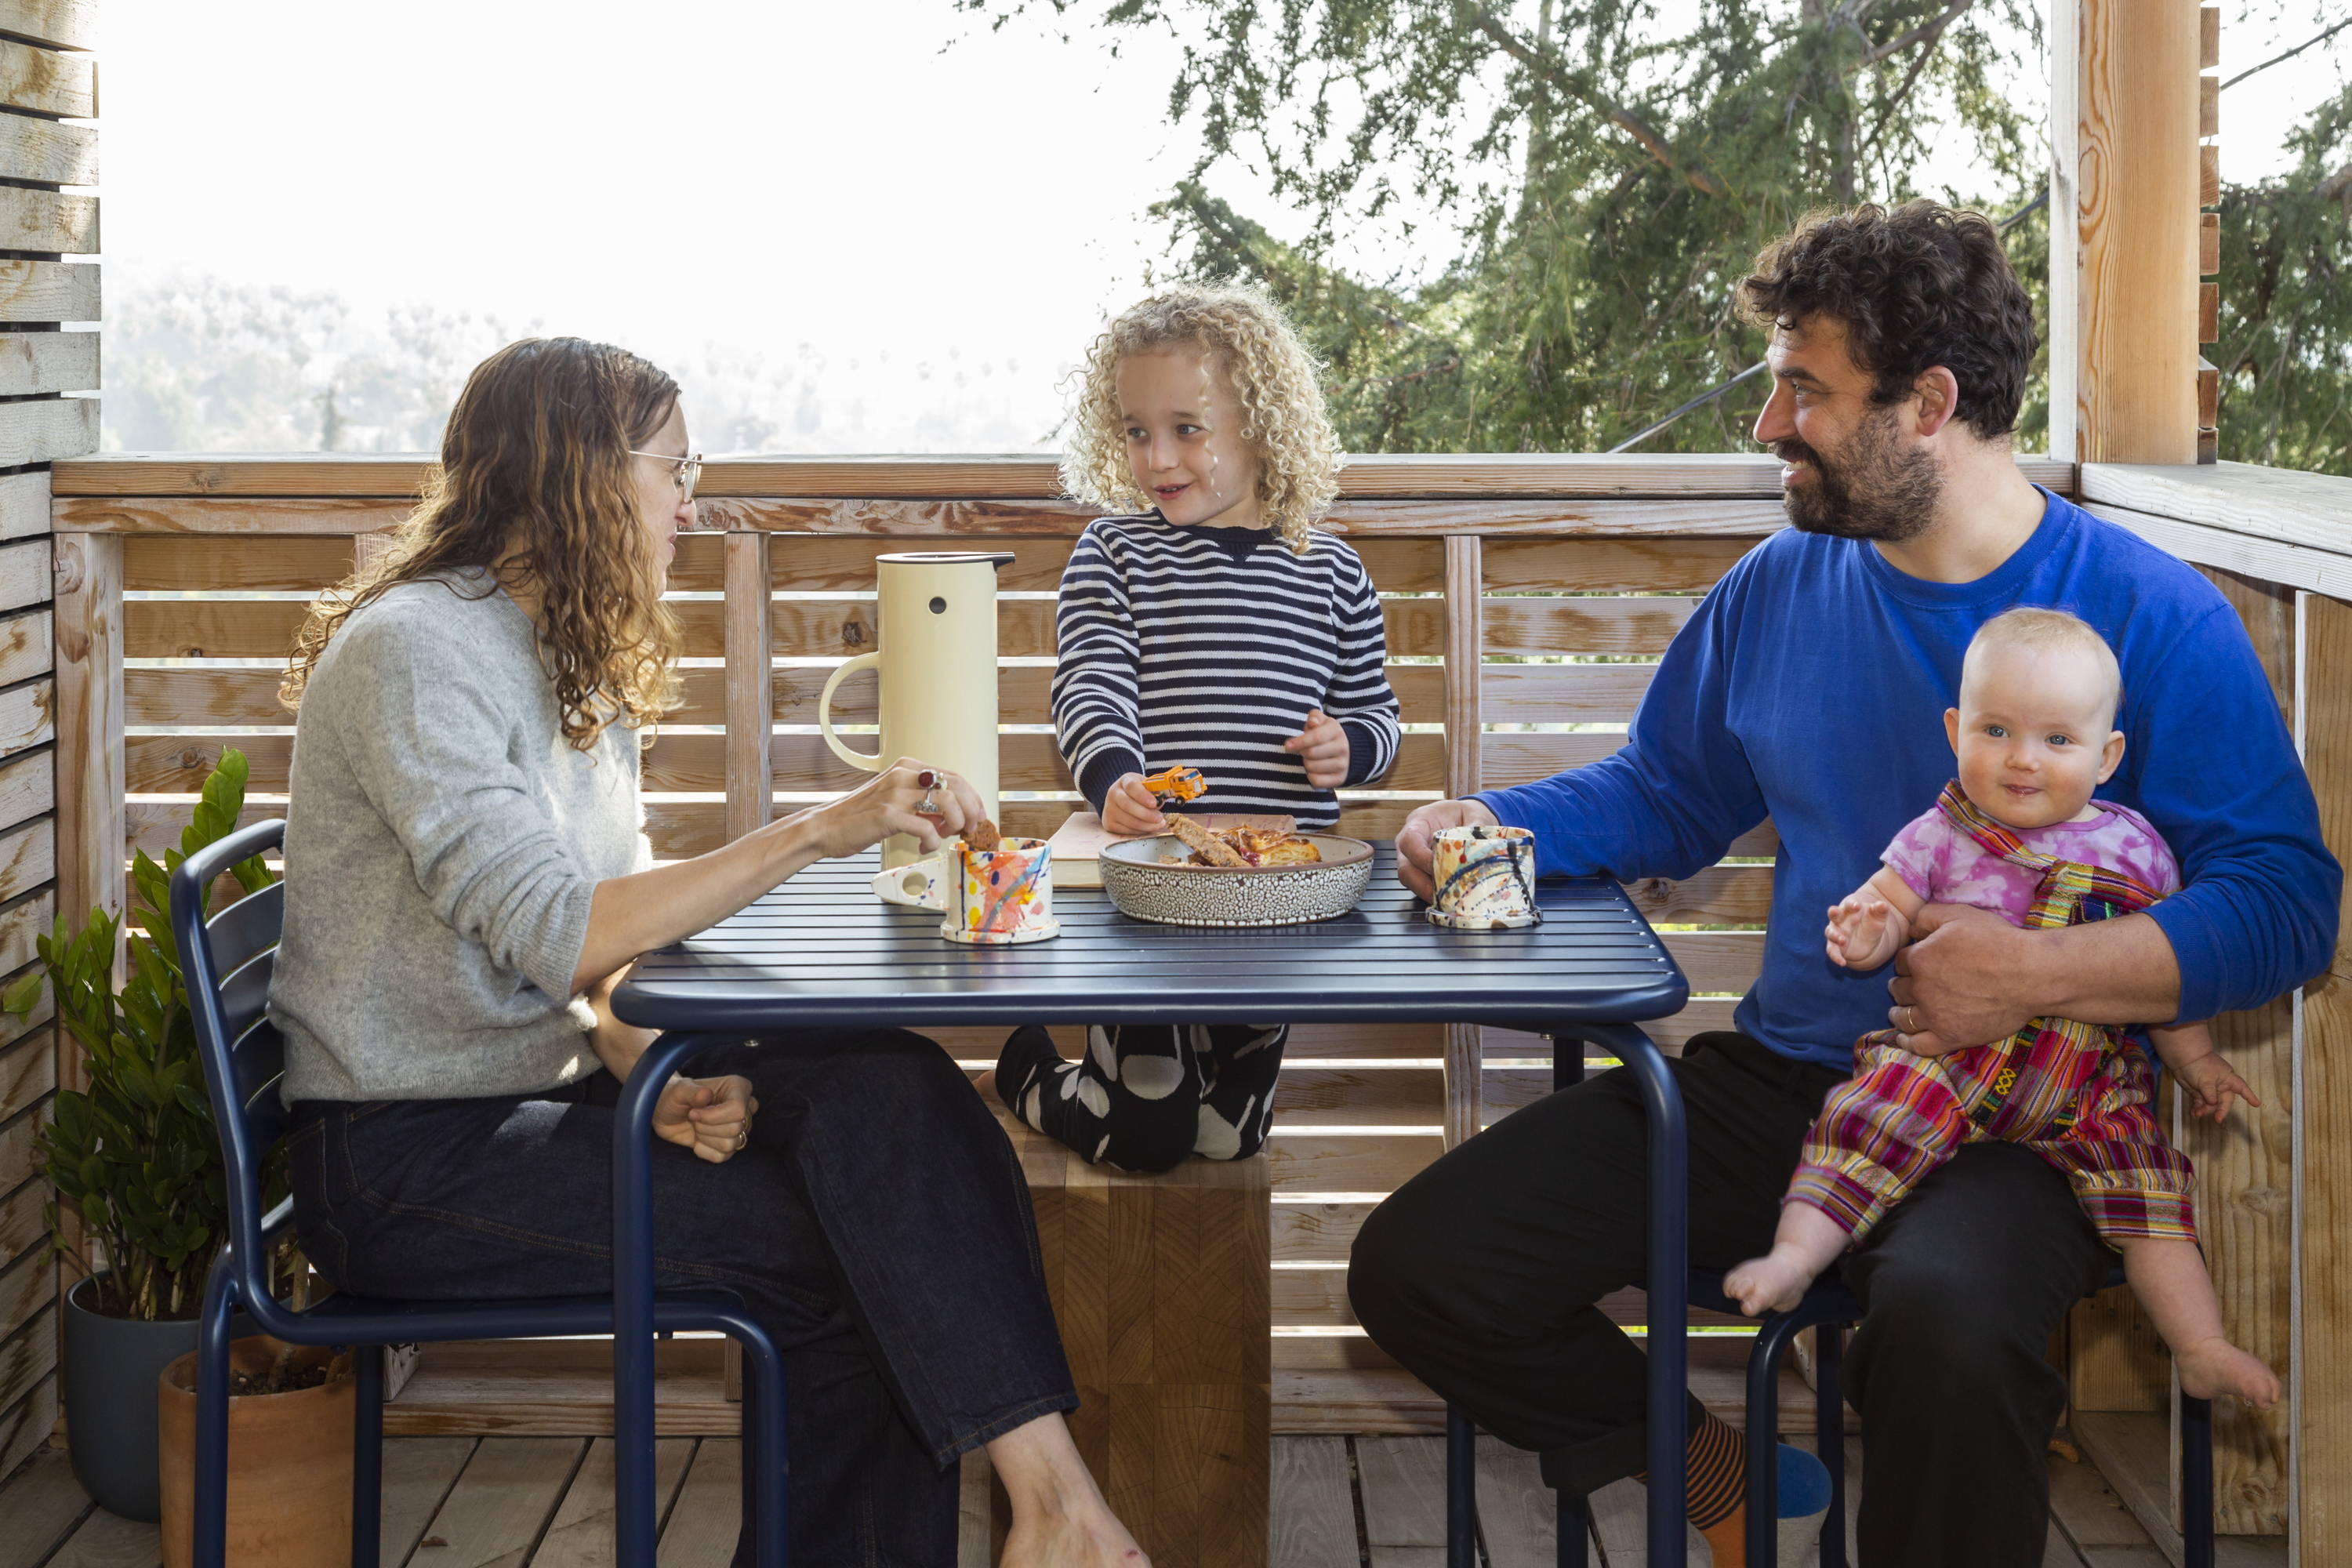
x: 1486, y: 879
x: 989, y: 898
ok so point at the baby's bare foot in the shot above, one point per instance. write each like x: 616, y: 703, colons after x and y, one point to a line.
x: 985, y: 1085
x: 1772, y: 1283
x: 1091, y: 1538
x: 2214, y: 1367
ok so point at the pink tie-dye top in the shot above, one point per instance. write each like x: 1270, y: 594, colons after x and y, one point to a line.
x: 1938, y: 861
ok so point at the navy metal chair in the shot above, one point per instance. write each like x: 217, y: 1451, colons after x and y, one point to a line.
x: 1828, y: 1309
x: 227, y: 960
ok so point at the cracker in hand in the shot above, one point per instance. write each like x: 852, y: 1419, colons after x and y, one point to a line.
x: 983, y: 836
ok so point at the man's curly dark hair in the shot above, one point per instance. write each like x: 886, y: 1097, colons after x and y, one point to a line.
x: 1916, y: 286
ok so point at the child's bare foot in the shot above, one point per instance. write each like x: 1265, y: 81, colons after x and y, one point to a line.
x: 1088, y: 1538
x: 2214, y: 1367
x: 1772, y: 1283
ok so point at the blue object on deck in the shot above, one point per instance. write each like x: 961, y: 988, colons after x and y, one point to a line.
x: 228, y: 960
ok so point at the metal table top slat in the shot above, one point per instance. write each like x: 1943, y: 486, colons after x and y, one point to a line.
x: 823, y: 952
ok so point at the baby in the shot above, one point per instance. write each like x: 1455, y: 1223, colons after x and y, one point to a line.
x: 2019, y: 834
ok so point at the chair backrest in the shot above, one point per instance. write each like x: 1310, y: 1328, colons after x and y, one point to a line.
x: 226, y: 963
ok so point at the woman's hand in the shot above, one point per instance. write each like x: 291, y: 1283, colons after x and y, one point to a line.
x: 711, y: 1116
x: 1322, y: 745
x: 866, y: 816
x: 1130, y: 810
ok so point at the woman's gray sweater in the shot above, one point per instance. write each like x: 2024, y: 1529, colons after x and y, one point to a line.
x: 442, y: 847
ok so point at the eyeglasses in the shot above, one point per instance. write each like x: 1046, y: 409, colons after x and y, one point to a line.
x: 686, y: 472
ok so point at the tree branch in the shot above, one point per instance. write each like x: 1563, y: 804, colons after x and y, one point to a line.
x: 1925, y: 33
x: 2274, y: 59
x: 1634, y: 125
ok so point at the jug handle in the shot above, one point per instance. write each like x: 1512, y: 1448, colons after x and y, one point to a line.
x: 872, y: 764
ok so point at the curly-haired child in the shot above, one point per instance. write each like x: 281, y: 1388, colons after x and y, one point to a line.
x: 1207, y: 625
x: 2019, y: 834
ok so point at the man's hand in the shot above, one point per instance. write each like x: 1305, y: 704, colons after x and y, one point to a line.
x: 1412, y: 845
x: 1130, y: 810
x: 1964, y: 980
x: 1322, y: 745
x: 711, y: 1116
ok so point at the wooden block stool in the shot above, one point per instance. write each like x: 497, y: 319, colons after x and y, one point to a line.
x: 1162, y: 1287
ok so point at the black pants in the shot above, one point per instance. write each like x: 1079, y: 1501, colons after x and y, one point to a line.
x: 1480, y: 1275
x: 877, y: 1224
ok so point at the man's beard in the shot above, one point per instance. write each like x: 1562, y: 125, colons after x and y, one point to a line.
x: 1876, y: 491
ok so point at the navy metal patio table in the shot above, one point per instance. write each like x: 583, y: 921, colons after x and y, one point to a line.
x: 823, y: 952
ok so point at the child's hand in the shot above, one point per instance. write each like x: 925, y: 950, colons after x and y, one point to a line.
x: 2211, y: 1086
x: 1130, y: 810
x: 1323, y: 747
x: 1858, y: 932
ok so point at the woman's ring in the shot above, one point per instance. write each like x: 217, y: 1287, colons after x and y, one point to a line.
x: 743, y: 1136
x: 927, y: 806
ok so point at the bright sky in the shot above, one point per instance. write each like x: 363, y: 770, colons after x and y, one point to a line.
x: 733, y: 171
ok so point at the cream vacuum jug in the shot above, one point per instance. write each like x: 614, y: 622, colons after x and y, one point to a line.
x: 938, y: 669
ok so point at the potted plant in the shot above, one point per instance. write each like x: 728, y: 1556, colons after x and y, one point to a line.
x: 135, y: 1162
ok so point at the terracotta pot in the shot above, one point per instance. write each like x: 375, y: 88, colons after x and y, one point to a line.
x: 289, y: 1463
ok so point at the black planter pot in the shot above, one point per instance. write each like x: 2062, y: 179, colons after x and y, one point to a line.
x: 110, y: 1368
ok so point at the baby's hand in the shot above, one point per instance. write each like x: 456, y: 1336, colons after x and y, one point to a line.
x: 1323, y: 747
x: 1860, y: 925
x: 2212, y: 1084
x: 1130, y: 810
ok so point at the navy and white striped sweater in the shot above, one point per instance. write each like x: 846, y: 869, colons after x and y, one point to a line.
x: 1207, y: 648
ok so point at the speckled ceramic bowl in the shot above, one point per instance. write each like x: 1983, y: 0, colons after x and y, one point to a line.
x: 1137, y: 875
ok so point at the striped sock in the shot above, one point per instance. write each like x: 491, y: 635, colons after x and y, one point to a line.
x: 1716, y: 1483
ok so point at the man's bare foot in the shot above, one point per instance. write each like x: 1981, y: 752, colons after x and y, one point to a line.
x: 2214, y: 1367
x: 1065, y: 1541
x: 1772, y: 1283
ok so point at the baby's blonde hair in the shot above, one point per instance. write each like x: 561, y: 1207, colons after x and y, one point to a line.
x: 2044, y: 628
x: 1281, y: 415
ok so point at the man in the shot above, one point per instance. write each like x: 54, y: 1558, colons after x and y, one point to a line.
x: 1810, y: 686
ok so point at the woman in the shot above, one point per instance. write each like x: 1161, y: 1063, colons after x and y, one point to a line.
x: 467, y: 882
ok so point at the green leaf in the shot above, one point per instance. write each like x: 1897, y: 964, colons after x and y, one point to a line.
x: 22, y: 997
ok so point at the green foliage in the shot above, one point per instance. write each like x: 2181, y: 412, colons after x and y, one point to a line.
x: 2286, y: 346
x: 1602, y: 183
x: 136, y: 1156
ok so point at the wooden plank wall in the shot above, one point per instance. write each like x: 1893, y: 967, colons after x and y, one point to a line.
x: 1568, y: 600
x: 48, y: 95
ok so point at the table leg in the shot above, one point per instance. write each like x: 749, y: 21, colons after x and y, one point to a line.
x: 635, y: 1522
x: 1669, y: 1307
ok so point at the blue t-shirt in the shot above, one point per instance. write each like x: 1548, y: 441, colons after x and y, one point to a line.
x: 1810, y: 686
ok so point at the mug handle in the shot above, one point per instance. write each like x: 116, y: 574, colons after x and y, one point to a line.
x: 872, y: 764
x: 918, y: 884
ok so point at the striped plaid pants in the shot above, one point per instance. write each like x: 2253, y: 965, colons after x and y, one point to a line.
x: 2084, y: 1109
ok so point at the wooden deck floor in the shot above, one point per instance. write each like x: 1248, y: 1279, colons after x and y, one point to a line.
x: 1338, y: 1502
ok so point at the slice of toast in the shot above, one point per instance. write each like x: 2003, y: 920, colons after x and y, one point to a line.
x: 1204, y: 844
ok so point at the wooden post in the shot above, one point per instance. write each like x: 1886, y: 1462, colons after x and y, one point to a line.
x: 1465, y: 645
x: 91, y: 857
x: 2245, y: 1172
x: 751, y: 685
x: 2124, y: 123
x: 2321, y: 1384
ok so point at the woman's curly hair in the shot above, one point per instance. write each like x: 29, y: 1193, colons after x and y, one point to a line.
x: 1281, y: 415
x: 536, y: 485
x: 1916, y: 286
